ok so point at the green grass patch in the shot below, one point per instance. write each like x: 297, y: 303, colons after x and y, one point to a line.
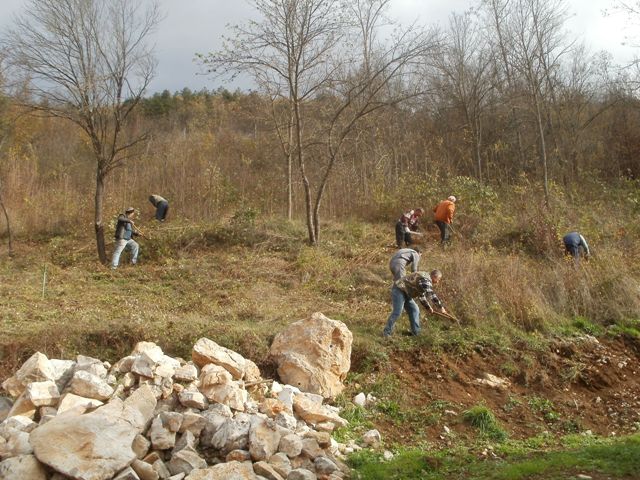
x: 585, y: 325
x: 358, y: 419
x: 535, y: 459
x: 483, y: 419
x: 617, y: 458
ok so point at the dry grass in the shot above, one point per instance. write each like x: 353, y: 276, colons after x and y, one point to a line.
x: 242, y: 286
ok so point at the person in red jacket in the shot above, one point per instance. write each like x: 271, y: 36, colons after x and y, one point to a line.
x: 406, y: 224
x: 443, y: 216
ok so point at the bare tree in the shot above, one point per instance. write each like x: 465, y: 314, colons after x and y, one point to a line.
x: 537, y: 45
x: 497, y: 15
x: 304, y: 49
x: 286, y: 54
x: 357, y: 93
x: 4, y: 129
x: 88, y: 61
x: 464, y: 69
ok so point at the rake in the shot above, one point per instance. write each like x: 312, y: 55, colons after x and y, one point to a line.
x: 447, y: 316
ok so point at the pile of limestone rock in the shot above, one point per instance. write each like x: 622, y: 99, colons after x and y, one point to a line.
x: 150, y: 416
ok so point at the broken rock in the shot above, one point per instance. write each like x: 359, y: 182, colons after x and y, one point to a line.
x: 207, y: 351
x: 22, y: 467
x: 226, y: 471
x: 86, y: 384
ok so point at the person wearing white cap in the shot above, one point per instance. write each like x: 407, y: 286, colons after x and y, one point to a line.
x: 125, y: 231
x: 443, y: 216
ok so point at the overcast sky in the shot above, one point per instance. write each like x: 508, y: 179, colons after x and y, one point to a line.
x: 192, y: 26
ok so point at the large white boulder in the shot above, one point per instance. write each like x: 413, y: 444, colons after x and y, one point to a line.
x: 17, y: 443
x: 230, y: 394
x: 23, y: 406
x: 314, y: 355
x: 37, y: 368
x: 69, y: 401
x: 85, y: 447
x: 233, y: 434
x: 185, y: 461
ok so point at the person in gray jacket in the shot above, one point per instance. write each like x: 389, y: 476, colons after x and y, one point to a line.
x: 162, y: 206
x: 402, y: 259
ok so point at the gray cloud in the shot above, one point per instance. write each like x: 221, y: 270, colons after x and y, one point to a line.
x: 192, y: 26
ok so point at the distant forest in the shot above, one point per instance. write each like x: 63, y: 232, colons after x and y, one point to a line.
x: 500, y: 98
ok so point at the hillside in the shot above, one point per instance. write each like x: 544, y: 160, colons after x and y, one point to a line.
x: 241, y: 282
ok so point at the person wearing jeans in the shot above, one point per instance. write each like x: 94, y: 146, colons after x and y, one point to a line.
x: 415, y: 285
x: 125, y: 231
x: 162, y: 206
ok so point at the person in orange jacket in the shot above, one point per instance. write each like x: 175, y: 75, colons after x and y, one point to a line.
x: 443, y: 216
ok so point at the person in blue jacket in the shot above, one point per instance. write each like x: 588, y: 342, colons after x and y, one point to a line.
x: 576, y: 246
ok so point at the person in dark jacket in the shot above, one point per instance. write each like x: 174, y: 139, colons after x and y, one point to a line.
x: 162, y: 206
x: 125, y: 231
x: 415, y: 285
x: 406, y: 224
x: 576, y: 246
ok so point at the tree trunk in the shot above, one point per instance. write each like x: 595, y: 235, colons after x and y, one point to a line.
x: 289, y: 171
x: 303, y: 173
x: 477, y: 147
x: 543, y: 149
x: 99, y: 227
x: 6, y: 217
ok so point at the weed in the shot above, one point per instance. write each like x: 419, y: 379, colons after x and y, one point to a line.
x: 358, y: 422
x: 573, y: 372
x: 440, y: 405
x: 406, y: 465
x: 392, y: 409
x: 618, y: 458
x: 571, y: 426
x: 385, y: 385
x: 512, y: 403
x: 510, y: 368
x: 534, y: 458
x: 483, y: 419
x: 628, y: 328
x: 544, y: 407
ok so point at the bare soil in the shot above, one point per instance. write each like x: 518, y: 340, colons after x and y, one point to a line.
x: 579, y: 385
